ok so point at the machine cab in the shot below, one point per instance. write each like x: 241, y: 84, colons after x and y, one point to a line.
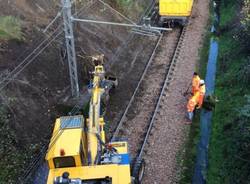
x: 67, y: 155
x: 66, y: 149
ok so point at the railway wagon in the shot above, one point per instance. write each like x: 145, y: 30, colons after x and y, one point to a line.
x: 175, y: 11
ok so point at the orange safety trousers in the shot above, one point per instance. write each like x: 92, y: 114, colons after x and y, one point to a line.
x: 192, y: 102
x: 202, y: 92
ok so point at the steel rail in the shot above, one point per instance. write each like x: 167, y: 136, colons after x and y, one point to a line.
x: 164, y: 88
x: 114, y: 136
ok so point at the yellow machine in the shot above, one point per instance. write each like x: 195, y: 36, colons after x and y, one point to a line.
x: 175, y: 10
x: 78, y: 152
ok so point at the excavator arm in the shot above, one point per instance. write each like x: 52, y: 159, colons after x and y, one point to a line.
x: 95, y: 121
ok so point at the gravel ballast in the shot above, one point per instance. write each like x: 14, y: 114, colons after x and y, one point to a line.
x: 168, y: 134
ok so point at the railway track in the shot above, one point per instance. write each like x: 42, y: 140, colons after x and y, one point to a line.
x: 145, y: 104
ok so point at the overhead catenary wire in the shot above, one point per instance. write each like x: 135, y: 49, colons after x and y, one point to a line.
x: 36, y: 43
x: 29, y: 55
x: 119, y: 50
x: 27, y: 61
x: 117, y: 12
x: 53, y: 21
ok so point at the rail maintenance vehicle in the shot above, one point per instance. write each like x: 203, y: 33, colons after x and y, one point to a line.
x: 78, y: 152
x: 169, y: 12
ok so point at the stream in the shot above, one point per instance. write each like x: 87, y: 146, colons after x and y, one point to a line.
x: 201, y: 163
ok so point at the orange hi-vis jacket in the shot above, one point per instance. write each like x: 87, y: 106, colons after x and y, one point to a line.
x: 195, y: 84
x: 202, y: 92
x: 192, y: 102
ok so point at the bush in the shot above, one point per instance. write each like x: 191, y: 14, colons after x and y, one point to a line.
x: 244, y: 73
x: 230, y: 141
x: 10, y: 28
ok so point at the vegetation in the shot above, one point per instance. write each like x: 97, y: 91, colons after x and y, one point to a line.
x: 188, y: 153
x: 13, y: 155
x: 10, y: 28
x: 229, y: 150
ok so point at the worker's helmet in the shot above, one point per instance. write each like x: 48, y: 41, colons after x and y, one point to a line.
x: 202, y: 82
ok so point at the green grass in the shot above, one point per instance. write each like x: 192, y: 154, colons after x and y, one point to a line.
x: 230, y: 139
x: 10, y: 28
x: 227, y: 14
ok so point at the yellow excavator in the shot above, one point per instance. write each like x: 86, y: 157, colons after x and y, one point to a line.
x: 78, y: 152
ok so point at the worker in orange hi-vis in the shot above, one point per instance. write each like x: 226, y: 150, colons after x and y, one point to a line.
x: 195, y: 83
x: 202, y: 91
x: 192, y: 102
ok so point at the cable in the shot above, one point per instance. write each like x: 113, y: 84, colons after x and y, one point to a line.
x: 52, y: 22
x: 126, y: 18
x: 27, y: 57
x: 24, y: 64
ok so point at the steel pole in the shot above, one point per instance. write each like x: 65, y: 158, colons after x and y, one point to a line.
x: 70, y: 44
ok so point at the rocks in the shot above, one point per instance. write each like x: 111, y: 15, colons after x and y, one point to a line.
x: 170, y: 134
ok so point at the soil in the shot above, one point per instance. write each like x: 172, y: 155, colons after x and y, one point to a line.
x: 30, y: 96
x: 170, y: 129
